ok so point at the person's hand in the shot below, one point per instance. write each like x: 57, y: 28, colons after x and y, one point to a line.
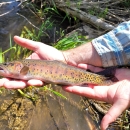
x: 82, y: 54
x: 117, y: 94
x: 41, y: 51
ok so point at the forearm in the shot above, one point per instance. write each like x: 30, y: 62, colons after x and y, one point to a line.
x: 111, y: 49
x: 85, y: 53
x: 114, y: 47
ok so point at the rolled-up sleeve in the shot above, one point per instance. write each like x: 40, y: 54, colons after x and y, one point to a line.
x: 114, y: 47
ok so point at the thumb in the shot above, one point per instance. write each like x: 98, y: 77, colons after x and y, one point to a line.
x: 118, y: 107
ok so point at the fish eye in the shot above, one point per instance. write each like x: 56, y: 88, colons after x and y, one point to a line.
x: 8, y: 64
x: 5, y: 63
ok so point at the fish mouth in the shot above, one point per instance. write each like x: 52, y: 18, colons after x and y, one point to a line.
x: 1, y: 68
x: 3, y: 71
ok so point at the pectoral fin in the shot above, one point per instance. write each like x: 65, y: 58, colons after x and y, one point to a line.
x: 24, y: 70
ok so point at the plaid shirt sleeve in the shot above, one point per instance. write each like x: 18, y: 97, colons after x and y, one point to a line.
x: 114, y: 47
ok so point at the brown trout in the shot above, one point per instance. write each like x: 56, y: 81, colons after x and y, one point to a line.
x: 50, y: 72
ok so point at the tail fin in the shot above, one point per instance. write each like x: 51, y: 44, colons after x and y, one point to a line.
x: 109, y: 73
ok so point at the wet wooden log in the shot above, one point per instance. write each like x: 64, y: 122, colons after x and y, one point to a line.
x: 74, y: 9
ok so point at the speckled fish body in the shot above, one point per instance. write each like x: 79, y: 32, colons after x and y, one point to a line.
x: 51, y: 72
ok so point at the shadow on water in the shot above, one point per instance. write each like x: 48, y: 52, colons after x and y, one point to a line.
x: 49, y: 112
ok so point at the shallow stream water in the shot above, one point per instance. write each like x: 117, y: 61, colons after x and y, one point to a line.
x: 49, y: 112
x: 10, y: 22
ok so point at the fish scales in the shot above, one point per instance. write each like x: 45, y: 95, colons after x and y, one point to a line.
x: 51, y: 72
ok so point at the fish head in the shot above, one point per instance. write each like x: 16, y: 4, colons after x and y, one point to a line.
x: 11, y: 69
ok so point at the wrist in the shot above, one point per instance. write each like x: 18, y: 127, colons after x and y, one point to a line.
x: 85, y: 53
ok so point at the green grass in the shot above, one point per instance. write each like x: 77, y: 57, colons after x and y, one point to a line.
x: 125, y: 3
x: 70, y: 42
x: 98, y: 13
x: 36, y: 35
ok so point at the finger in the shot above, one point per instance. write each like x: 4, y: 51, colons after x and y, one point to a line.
x: 35, y: 82
x: 15, y: 84
x: 90, y: 67
x: 32, y: 45
x: 2, y: 81
x: 41, y: 49
x: 83, y: 66
x: 34, y: 56
x: 116, y: 110
x: 83, y: 91
x: 95, y: 92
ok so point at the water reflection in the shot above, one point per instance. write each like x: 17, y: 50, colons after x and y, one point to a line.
x: 10, y: 22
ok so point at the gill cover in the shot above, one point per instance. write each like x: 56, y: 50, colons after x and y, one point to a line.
x: 14, y: 67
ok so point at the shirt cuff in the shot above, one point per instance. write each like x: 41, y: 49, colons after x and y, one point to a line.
x: 114, y: 47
